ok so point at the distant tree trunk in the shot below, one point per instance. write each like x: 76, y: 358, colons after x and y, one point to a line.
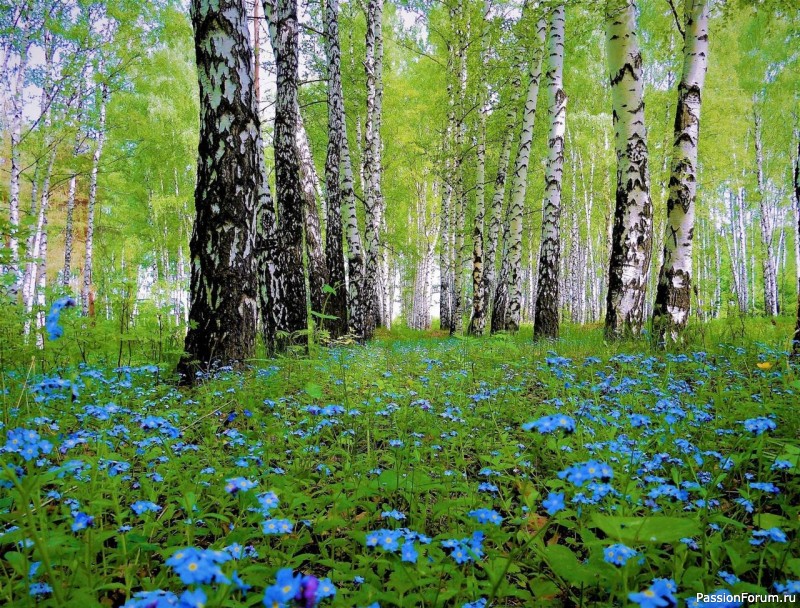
x: 270, y: 277
x: 39, y: 277
x: 66, y: 274
x: 496, y: 218
x: 768, y: 213
x: 88, y: 259
x: 39, y: 243
x: 222, y: 317
x: 796, y: 340
x: 15, y: 129
x: 478, y: 321
x: 738, y: 248
x: 317, y: 268
x: 420, y: 317
x: 372, y: 162
x: 545, y: 324
x: 633, y: 216
x: 334, y: 246
x: 460, y: 208
x: 290, y: 311
x: 355, y: 250
x: 673, y: 298
x: 508, y: 296
x: 447, y: 227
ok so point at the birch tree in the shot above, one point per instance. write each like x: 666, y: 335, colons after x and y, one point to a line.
x: 508, y: 295
x: 223, y: 285
x: 290, y: 309
x: 796, y: 185
x: 673, y: 298
x: 334, y: 246
x: 633, y: 215
x: 768, y: 218
x: 87, y: 295
x: 545, y: 323
x: 373, y: 66
x: 496, y: 219
x: 17, y: 76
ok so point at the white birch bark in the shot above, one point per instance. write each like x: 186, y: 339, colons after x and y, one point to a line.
x: 673, y: 298
x: 767, y: 221
x: 507, y: 303
x: 633, y: 217
x: 87, y: 294
x: 496, y: 218
x: 546, y: 320
x: 372, y: 162
x: 15, y: 130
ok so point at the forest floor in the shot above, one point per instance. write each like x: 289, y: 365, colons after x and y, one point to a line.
x: 417, y: 471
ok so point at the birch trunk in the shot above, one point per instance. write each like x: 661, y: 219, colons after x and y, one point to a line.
x: 546, y: 320
x: 767, y: 212
x: 460, y: 209
x: 496, y: 218
x: 446, y: 265
x: 355, y: 250
x: 224, y: 297
x: 334, y: 246
x: 87, y: 293
x: 39, y: 277
x: 372, y: 164
x: 478, y: 321
x: 66, y: 274
x: 508, y: 301
x: 796, y: 339
x: 317, y: 268
x: 674, y: 294
x: 633, y: 216
x: 291, y: 313
x: 15, y: 129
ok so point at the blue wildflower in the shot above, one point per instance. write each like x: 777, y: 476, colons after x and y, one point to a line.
x: 550, y: 424
x: 286, y: 587
x: 277, y: 526
x: 238, y: 484
x: 658, y: 595
x: 618, y: 554
x: 408, y: 552
x: 487, y: 516
x: 54, y: 330
x: 142, y: 506
x: 759, y: 425
x: 554, y: 502
x: 82, y: 521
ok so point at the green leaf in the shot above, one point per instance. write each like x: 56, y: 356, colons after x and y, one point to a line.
x: 564, y: 563
x: 18, y: 562
x: 314, y: 390
x: 657, y: 529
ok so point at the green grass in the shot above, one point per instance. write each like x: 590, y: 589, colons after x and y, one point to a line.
x: 457, y: 406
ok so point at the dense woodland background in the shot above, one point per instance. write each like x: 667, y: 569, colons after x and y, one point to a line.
x: 100, y: 141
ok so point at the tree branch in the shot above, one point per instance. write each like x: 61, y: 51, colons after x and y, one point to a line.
x: 677, y: 18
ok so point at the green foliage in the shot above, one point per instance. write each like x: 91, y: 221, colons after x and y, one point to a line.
x: 423, y: 422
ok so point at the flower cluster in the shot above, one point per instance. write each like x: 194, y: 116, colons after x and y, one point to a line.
x: 304, y: 591
x: 27, y: 443
x: 550, y: 424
